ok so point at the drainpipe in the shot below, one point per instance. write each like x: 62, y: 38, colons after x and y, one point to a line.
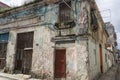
x: 87, y: 42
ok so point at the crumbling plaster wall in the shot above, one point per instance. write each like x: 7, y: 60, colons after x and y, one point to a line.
x: 82, y: 60
x: 76, y: 60
x: 11, y: 52
x: 43, y: 48
x: 111, y: 59
x: 94, y: 58
x: 42, y: 59
x: 71, y: 59
x: 43, y: 52
x: 105, y: 59
x: 11, y: 49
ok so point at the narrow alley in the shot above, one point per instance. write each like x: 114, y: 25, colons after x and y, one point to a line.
x: 118, y: 73
x: 112, y: 74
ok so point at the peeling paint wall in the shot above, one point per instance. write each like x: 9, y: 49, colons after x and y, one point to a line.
x: 82, y: 60
x: 43, y: 52
x: 105, y: 59
x: 94, y: 59
x: 11, y: 52
x: 71, y: 59
x: 79, y: 56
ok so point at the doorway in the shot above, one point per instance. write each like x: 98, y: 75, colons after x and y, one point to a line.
x: 101, y: 59
x: 60, y: 63
x: 23, y: 58
x: 3, y: 50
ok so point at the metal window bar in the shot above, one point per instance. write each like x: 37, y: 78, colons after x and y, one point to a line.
x: 65, y: 12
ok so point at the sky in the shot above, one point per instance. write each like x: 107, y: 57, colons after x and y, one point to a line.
x: 110, y: 12
x: 15, y: 2
x: 108, y: 8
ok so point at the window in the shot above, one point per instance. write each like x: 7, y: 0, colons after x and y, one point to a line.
x: 105, y: 57
x: 25, y: 40
x: 95, y: 57
x: 4, y: 37
x: 65, y: 12
x: 1, y: 7
x: 94, y: 22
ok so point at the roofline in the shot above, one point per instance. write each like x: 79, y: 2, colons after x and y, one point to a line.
x: 4, y: 4
x: 26, y: 6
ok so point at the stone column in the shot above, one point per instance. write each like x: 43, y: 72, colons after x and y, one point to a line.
x: 11, y: 49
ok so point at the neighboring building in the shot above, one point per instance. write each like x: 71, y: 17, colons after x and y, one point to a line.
x: 118, y: 56
x: 112, y: 34
x: 2, y: 5
x: 112, y: 40
x: 54, y: 39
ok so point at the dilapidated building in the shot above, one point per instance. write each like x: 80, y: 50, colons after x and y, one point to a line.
x: 54, y: 39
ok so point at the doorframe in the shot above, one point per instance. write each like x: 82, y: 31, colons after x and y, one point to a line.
x: 22, y: 32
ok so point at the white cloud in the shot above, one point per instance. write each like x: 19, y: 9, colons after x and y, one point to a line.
x: 15, y: 2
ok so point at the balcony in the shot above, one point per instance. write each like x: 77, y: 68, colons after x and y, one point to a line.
x: 65, y: 29
x: 65, y: 25
x: 94, y: 21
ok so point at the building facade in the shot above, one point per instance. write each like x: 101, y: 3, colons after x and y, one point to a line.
x: 112, y: 40
x: 54, y: 40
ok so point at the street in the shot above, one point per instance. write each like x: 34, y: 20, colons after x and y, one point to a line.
x: 112, y: 74
x: 118, y: 73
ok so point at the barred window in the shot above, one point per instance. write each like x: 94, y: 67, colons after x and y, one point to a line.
x: 65, y: 12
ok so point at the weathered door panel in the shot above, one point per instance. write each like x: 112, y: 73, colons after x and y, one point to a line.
x: 101, y: 59
x: 24, y: 52
x: 27, y: 61
x: 3, y: 49
x: 19, y: 53
x: 60, y: 64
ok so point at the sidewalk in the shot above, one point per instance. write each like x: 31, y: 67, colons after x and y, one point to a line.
x: 110, y: 75
x: 17, y: 76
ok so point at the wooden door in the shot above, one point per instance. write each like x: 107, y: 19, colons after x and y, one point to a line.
x: 27, y: 61
x: 101, y: 59
x: 3, y: 50
x: 60, y: 63
x: 24, y: 52
x: 18, y: 62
